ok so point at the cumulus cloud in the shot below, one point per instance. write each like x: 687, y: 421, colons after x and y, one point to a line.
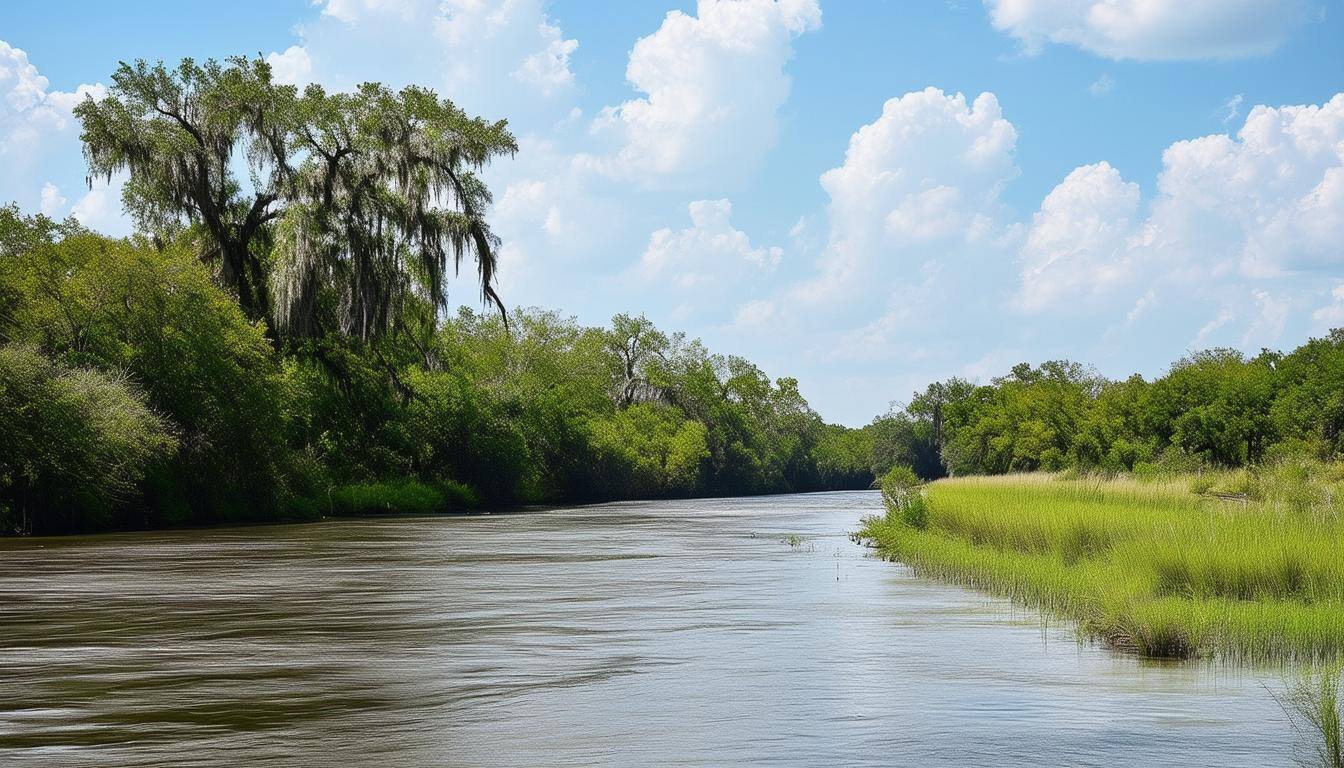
x: 100, y: 208
x: 1266, y: 204
x: 39, y: 142
x: 1152, y: 29
x: 922, y: 182
x: 292, y: 67
x: 52, y: 202
x: 1273, y: 197
x: 29, y: 114
x: 708, y: 255
x: 1332, y: 314
x: 548, y: 70
x: 1079, y: 240
x: 712, y: 83
x: 506, y: 57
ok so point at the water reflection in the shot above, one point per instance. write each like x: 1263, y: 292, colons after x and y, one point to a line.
x: 669, y: 633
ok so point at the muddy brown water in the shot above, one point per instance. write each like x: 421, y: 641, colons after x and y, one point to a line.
x: 680, y: 633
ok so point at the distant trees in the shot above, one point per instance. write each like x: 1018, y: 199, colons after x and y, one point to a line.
x: 1214, y: 407
x: 135, y: 391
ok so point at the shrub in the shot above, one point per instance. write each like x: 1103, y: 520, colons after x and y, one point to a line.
x: 904, y: 500
x: 76, y: 444
x: 89, y: 301
x: 400, y: 497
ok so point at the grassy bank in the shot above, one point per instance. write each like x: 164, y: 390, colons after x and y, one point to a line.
x: 1163, y: 566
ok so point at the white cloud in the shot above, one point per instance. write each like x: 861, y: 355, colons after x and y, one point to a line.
x: 476, y: 52
x: 1142, y: 305
x: 921, y: 182
x: 1152, y: 29
x: 1206, y: 331
x: 292, y: 67
x: 1266, y: 328
x: 1102, y: 85
x: 52, y: 200
x: 352, y: 11
x: 755, y: 315
x: 713, y: 83
x: 40, y: 150
x: 1078, y: 242
x: 1232, y: 108
x: 100, y: 208
x: 1332, y: 314
x: 1273, y: 198
x: 548, y: 69
x: 1229, y: 212
x: 29, y: 114
x: 710, y: 256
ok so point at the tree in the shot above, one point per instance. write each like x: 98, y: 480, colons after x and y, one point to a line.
x: 637, y: 346
x: 355, y: 203
x: 119, y: 306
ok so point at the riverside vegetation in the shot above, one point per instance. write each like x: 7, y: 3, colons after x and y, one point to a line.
x: 1157, y: 565
x: 276, y: 342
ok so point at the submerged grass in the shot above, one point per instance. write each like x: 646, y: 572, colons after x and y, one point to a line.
x: 1157, y: 566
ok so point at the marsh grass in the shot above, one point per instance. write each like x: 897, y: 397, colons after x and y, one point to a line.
x: 1145, y: 563
x: 1313, y: 707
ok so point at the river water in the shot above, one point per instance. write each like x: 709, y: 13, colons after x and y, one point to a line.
x: 654, y: 633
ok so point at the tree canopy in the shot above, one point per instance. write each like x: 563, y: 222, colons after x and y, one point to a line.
x: 353, y: 203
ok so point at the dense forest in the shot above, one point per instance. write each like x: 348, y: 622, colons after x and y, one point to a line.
x: 276, y: 343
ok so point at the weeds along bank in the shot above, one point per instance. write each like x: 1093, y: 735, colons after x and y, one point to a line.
x: 1163, y: 566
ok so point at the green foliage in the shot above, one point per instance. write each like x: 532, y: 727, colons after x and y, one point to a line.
x: 76, y: 444
x: 844, y: 457
x: 1145, y: 565
x: 356, y: 203
x: 403, y: 497
x: 155, y: 314
x: 1313, y: 705
x: 289, y: 327
x: 649, y: 450
x: 903, y: 497
x: 1211, y: 409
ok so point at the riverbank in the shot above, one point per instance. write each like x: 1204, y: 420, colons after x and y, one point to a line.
x: 1163, y: 567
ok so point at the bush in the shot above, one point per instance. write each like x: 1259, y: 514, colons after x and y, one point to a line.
x: 156, y: 314
x: 648, y: 450
x: 400, y: 497
x: 76, y: 444
x: 904, y: 500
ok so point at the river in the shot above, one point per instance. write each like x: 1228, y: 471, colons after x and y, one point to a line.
x: 680, y: 633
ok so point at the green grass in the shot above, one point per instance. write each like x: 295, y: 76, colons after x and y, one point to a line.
x: 400, y: 497
x: 1149, y: 565
x: 1313, y: 708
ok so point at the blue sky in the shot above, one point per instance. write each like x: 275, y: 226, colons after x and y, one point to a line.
x: 864, y: 195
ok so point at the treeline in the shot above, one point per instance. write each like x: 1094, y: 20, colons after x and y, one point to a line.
x: 134, y: 391
x: 276, y: 342
x: 1216, y: 408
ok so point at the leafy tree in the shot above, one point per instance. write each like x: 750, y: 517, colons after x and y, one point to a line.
x: 156, y: 315
x: 1215, y: 404
x: 341, y: 215
x: 638, y: 348
x: 1309, y: 395
x: 649, y: 450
